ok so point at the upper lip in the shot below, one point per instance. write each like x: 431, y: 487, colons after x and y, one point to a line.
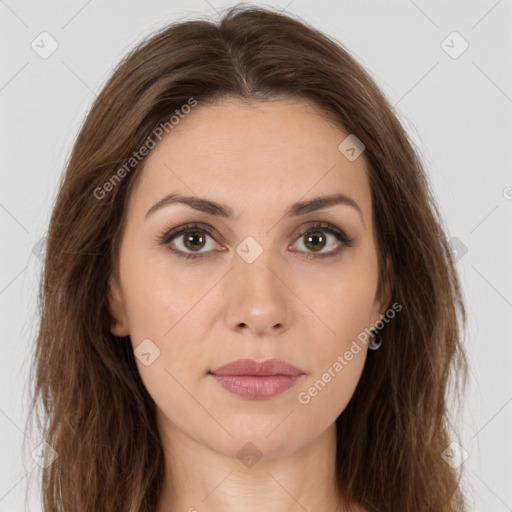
x: 253, y: 367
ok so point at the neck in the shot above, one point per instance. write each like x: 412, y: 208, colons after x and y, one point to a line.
x: 207, y: 479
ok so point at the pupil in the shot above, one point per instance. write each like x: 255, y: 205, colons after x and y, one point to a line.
x: 315, y: 237
x: 192, y: 239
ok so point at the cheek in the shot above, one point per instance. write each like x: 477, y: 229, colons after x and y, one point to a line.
x: 339, y: 354
x: 343, y: 305
x: 167, y: 317
x: 157, y: 296
x: 166, y: 320
x: 343, y: 302
x: 325, y: 396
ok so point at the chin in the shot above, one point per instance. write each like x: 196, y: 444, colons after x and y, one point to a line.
x: 256, y: 443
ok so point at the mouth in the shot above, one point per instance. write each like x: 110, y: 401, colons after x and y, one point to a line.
x: 257, y: 379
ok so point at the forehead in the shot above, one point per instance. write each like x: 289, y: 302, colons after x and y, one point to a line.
x: 269, y: 152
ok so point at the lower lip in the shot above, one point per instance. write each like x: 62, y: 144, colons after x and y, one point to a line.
x: 253, y: 386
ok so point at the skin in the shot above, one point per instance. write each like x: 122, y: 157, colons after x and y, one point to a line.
x: 257, y: 158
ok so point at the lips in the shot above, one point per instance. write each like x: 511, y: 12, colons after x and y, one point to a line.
x: 257, y: 379
x: 253, y: 367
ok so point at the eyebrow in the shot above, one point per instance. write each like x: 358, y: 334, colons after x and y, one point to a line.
x: 220, y: 210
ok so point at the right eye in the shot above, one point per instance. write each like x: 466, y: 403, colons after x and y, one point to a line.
x: 188, y: 237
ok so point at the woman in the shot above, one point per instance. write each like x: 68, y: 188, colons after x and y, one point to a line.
x: 248, y: 301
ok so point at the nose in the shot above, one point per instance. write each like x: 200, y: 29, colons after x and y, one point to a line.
x: 258, y: 298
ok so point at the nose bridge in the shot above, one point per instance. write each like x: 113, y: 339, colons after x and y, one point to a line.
x: 256, y: 296
x: 255, y: 264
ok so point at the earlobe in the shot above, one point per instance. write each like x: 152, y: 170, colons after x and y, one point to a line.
x: 115, y: 306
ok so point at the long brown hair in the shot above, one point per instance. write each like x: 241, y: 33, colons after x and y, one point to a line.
x: 96, y: 413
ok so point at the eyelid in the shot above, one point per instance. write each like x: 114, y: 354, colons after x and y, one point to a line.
x: 167, y: 234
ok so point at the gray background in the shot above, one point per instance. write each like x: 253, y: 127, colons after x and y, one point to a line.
x: 458, y: 111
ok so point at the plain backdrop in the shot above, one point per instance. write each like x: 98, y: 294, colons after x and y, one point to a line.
x: 445, y: 66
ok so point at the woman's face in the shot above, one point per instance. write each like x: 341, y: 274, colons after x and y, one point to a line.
x: 265, y: 282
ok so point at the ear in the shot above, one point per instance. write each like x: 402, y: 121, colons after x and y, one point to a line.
x: 116, y: 308
x: 383, y: 302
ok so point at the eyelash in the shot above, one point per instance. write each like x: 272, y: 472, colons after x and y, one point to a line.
x: 167, y: 236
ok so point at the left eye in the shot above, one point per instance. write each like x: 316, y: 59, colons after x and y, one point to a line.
x: 314, y: 238
x: 193, y: 237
